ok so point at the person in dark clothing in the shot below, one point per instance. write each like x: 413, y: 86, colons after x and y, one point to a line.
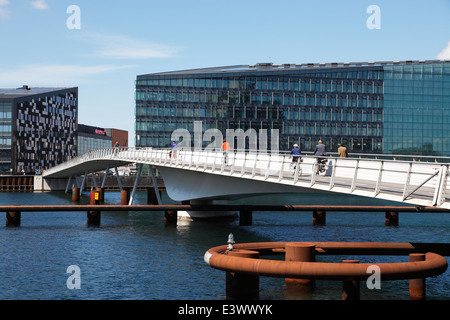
x: 320, y: 151
x: 295, y: 152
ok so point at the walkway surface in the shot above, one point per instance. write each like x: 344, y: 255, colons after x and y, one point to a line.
x: 422, y: 183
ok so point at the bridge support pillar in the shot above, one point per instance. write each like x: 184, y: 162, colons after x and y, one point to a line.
x: 350, y: 289
x: 245, y: 217
x: 417, y: 286
x: 75, y: 194
x: 94, y: 217
x: 242, y: 286
x: 391, y: 218
x: 124, y: 196
x: 13, y: 219
x: 303, y: 253
x: 170, y: 217
x: 319, y: 218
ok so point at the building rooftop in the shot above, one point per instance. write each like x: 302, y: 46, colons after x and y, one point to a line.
x: 26, y: 91
x: 264, y: 67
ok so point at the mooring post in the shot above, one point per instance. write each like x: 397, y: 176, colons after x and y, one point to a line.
x: 101, y: 192
x: 391, y: 218
x: 94, y: 217
x: 13, y: 219
x: 170, y: 217
x: 417, y: 286
x: 303, y: 253
x: 75, y: 194
x: 245, y: 217
x: 124, y: 196
x: 242, y: 286
x: 350, y: 290
x: 319, y: 217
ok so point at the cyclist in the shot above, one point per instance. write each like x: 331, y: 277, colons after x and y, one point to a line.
x: 320, y: 151
x: 296, y: 153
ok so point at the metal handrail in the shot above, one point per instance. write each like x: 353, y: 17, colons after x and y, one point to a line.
x: 414, y: 175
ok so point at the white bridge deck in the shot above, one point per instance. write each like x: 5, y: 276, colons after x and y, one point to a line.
x: 420, y: 183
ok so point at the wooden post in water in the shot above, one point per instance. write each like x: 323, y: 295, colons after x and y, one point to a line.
x: 391, y: 218
x: 350, y: 290
x: 94, y: 217
x: 13, y: 219
x: 319, y: 217
x: 303, y: 253
x: 75, y: 194
x: 417, y: 286
x: 125, y: 196
x: 170, y: 217
x: 241, y: 286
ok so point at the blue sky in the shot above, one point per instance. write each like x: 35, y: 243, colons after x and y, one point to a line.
x: 119, y: 40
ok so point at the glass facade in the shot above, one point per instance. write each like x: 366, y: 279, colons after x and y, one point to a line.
x: 417, y: 108
x: 370, y: 107
x: 5, y: 136
x: 38, y: 128
x: 92, y: 138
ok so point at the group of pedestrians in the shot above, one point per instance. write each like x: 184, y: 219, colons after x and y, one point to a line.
x: 319, y: 152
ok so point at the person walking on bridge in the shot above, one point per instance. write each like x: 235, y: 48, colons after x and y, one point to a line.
x: 342, y: 151
x: 225, y: 150
x: 320, y: 151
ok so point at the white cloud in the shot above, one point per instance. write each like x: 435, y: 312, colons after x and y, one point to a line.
x: 122, y: 47
x: 53, y: 75
x: 4, y: 12
x: 445, y: 53
x: 39, y: 4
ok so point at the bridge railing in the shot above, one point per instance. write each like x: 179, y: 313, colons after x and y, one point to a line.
x: 361, y: 173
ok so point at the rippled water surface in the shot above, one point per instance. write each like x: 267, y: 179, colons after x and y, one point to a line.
x: 133, y: 255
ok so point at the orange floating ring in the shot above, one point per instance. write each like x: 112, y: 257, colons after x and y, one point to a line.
x: 433, y: 265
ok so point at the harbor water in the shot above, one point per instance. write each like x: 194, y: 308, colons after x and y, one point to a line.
x: 135, y: 256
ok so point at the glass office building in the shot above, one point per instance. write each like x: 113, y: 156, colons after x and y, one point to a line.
x: 374, y: 107
x: 38, y: 128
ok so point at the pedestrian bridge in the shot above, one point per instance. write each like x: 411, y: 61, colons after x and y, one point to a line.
x: 203, y: 174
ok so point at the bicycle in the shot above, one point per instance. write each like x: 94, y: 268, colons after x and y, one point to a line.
x: 321, y: 166
x: 293, y: 166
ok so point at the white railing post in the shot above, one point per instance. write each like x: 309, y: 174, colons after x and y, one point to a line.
x: 407, y: 181
x: 380, y: 175
x: 355, y: 176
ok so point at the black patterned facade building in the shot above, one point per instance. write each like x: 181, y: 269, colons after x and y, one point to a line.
x: 38, y: 128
